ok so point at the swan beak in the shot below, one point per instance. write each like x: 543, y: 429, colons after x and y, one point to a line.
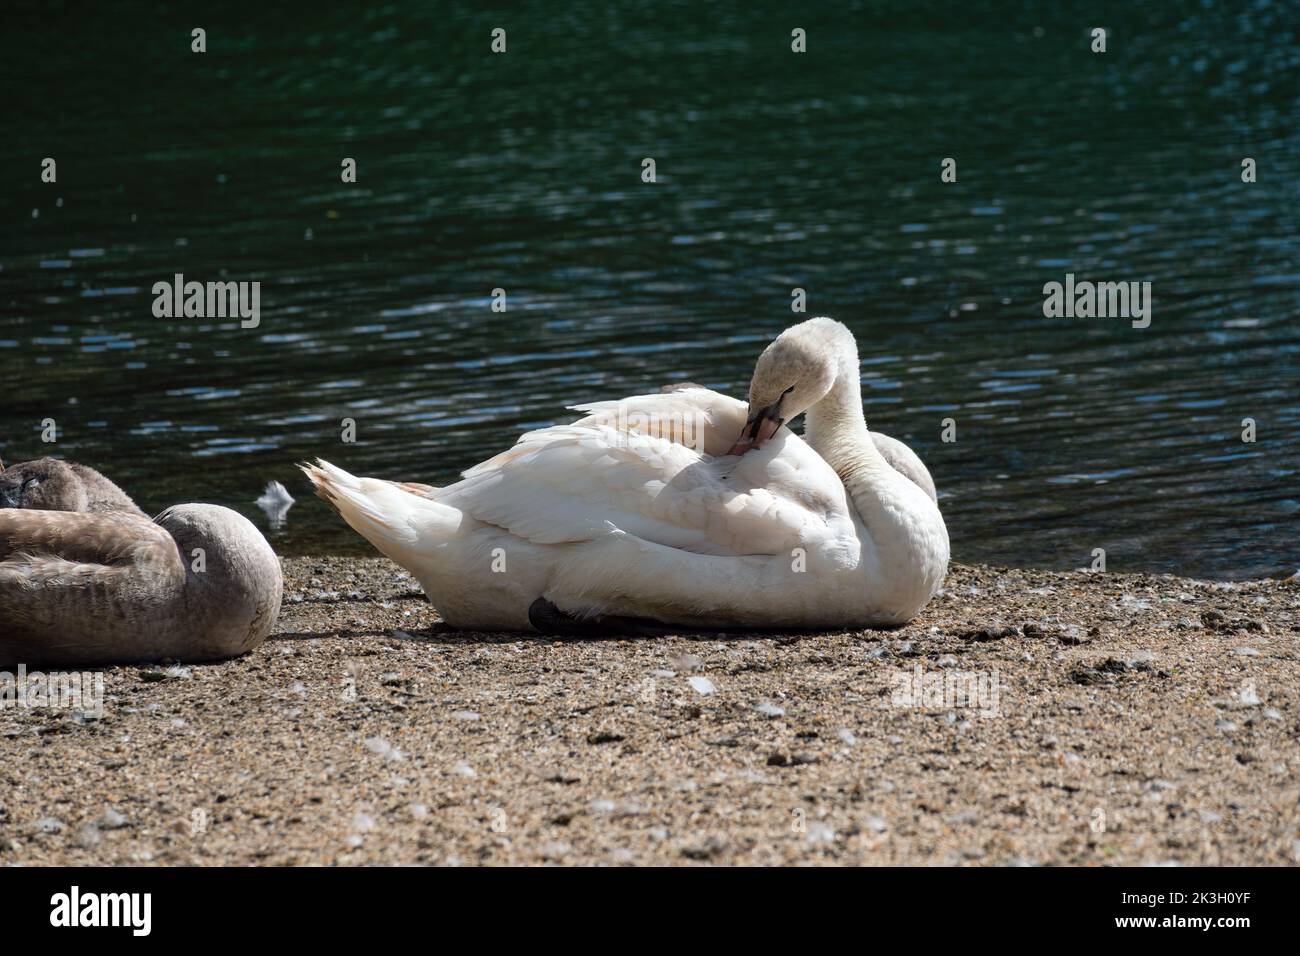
x: 760, y: 426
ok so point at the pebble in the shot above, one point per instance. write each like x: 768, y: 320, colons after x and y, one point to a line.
x: 555, y: 850
x: 791, y: 760
x: 1073, y: 634
x: 706, y: 849
x: 382, y: 748
x: 769, y: 709
x: 1087, y: 676
x: 687, y: 663
x: 112, y: 820
x: 992, y: 632
x: 819, y: 833
x: 702, y: 685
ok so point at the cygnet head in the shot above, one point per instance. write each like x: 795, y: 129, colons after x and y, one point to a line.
x: 793, y: 374
x: 47, y: 484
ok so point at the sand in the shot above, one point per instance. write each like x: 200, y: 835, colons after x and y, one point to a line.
x: 1137, y: 720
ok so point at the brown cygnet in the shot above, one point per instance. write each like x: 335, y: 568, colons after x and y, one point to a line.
x: 87, y: 578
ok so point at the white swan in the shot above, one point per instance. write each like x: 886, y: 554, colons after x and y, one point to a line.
x: 652, y: 508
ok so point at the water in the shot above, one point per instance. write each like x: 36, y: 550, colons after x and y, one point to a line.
x: 775, y: 170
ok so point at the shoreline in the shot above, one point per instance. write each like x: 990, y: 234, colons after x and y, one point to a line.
x: 1025, y: 717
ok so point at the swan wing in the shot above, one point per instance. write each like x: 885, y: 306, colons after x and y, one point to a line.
x: 905, y: 461
x: 66, y: 575
x: 628, y: 467
x: 710, y: 421
x: 687, y: 414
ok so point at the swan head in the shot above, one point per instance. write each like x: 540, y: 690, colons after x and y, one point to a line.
x: 792, y: 375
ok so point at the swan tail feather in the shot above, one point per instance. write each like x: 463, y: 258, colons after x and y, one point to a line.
x: 396, y: 517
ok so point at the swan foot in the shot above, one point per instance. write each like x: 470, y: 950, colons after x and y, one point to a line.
x: 546, y: 618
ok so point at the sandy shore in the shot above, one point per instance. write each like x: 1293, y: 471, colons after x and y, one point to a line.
x: 1117, y: 719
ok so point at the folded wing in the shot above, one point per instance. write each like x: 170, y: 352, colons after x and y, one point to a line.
x: 649, y: 466
x: 60, y: 570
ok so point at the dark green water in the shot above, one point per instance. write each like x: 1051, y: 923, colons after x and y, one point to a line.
x: 776, y: 170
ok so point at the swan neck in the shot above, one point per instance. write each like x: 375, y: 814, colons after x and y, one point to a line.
x: 835, y: 426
